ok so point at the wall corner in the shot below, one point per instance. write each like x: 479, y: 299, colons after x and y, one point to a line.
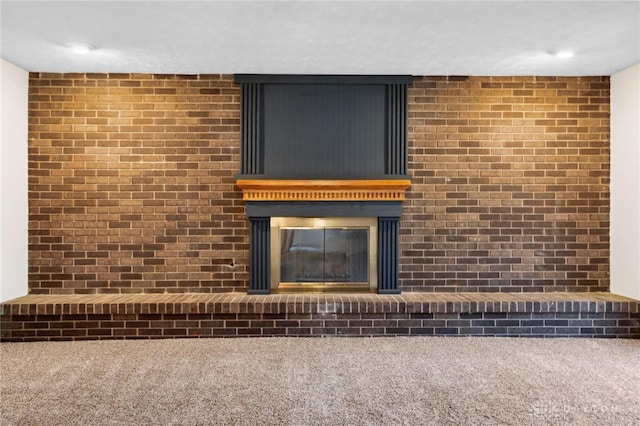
x: 625, y: 182
x: 14, y: 204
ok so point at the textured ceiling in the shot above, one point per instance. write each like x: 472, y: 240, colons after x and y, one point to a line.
x: 327, y: 37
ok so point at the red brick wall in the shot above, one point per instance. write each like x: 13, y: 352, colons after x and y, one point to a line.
x: 132, y: 184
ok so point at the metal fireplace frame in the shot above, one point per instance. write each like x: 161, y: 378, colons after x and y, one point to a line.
x: 368, y: 223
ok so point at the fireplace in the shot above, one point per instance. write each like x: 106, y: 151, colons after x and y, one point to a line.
x: 319, y: 255
x: 323, y: 175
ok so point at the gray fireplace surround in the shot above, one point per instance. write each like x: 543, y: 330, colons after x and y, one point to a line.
x: 327, y: 132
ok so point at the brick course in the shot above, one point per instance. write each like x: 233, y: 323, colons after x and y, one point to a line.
x: 132, y: 189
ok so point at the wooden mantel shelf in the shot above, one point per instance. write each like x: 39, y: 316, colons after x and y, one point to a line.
x: 323, y: 190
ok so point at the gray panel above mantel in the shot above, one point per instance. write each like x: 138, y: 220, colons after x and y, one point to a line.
x: 324, y: 130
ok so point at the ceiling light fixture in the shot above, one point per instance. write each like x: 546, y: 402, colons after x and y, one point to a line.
x: 80, y: 47
x: 564, y: 54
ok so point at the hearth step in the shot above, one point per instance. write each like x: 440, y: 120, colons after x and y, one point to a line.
x: 118, y: 316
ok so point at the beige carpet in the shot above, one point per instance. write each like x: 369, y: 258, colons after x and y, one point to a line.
x: 322, y: 381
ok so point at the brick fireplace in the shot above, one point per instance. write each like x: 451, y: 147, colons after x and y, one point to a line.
x: 139, y: 226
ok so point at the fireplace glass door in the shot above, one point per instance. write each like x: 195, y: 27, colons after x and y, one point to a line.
x: 323, y: 255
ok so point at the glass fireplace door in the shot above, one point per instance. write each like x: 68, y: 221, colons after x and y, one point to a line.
x: 329, y: 255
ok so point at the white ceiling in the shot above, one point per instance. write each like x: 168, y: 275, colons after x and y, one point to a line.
x: 324, y: 37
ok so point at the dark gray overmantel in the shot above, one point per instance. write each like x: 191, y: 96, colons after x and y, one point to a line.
x: 323, y: 127
x: 327, y: 127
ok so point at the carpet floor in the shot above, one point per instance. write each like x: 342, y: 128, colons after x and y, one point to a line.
x: 322, y: 381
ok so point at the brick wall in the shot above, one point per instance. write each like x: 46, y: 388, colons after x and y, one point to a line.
x: 132, y: 184
x: 510, y: 185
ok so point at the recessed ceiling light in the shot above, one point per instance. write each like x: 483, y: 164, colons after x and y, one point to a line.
x: 564, y: 54
x: 80, y: 47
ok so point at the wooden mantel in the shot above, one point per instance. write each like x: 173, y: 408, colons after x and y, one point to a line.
x: 323, y: 190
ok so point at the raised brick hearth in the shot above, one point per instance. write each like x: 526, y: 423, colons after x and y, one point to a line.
x: 128, y: 316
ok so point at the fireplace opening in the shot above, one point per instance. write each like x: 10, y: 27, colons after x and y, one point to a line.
x: 317, y: 255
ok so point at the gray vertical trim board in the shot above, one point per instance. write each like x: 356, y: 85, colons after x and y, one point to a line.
x: 259, y: 255
x: 252, y: 155
x: 388, y: 281
x: 396, y: 140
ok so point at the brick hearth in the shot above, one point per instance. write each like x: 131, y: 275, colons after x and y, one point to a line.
x: 128, y: 316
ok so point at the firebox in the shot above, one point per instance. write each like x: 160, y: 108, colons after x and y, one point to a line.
x: 320, y: 255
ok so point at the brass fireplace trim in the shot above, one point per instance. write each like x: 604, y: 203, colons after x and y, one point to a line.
x: 323, y: 190
x: 370, y: 223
